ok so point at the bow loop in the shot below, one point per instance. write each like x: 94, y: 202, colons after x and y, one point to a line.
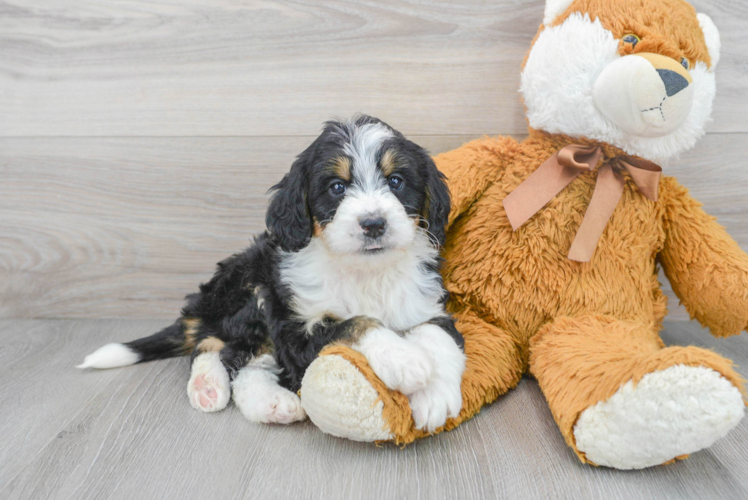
x: 561, y: 169
x: 645, y: 174
x: 579, y: 157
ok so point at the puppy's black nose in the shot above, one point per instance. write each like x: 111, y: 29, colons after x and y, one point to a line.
x: 374, y: 228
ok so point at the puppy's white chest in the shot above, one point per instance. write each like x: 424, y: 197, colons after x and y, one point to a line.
x: 401, y: 296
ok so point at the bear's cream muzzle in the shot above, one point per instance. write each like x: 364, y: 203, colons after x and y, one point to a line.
x: 647, y: 95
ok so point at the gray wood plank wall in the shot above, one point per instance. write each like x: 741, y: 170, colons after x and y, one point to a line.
x: 138, y: 138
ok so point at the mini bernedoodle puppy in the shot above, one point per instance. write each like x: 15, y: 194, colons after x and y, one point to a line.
x: 350, y: 255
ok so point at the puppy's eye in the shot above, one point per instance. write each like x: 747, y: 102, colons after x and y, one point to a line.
x: 395, y: 182
x: 631, y: 39
x: 337, y: 188
x: 684, y: 62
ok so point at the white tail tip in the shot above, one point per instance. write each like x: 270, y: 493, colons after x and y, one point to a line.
x: 110, y: 356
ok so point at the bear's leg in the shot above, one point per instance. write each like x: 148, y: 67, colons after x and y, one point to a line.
x: 343, y: 397
x: 622, y: 400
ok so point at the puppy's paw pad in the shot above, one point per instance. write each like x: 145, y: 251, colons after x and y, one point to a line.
x: 203, y: 394
x: 208, y: 388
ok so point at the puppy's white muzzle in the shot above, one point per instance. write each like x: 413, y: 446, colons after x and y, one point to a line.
x: 647, y: 95
x: 390, y: 226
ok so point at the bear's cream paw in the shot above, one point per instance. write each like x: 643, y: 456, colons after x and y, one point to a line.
x: 341, y: 402
x: 208, y: 387
x: 669, y: 413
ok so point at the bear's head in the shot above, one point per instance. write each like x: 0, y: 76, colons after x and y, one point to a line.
x: 636, y: 74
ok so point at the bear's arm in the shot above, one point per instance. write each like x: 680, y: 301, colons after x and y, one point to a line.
x: 472, y: 168
x: 706, y: 267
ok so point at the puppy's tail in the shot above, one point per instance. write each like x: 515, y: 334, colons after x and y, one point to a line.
x: 174, y: 340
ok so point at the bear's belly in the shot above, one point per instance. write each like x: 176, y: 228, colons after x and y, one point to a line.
x: 520, y: 280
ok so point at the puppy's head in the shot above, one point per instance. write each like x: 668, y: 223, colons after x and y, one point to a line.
x: 363, y: 189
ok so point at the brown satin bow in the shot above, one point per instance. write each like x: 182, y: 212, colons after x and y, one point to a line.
x: 560, y: 170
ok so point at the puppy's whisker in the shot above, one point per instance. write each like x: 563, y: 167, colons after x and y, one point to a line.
x: 432, y: 237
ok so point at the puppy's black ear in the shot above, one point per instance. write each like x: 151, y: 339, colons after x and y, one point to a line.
x: 437, y: 205
x: 288, y: 218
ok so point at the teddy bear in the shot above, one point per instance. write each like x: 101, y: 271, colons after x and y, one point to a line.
x: 555, y: 242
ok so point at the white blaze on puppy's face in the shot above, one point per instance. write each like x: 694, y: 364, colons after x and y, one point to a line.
x: 344, y: 234
x: 368, y: 197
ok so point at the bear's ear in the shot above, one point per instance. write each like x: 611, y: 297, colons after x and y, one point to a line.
x: 711, y: 36
x: 554, y: 8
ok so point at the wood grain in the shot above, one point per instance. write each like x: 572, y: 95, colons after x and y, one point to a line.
x: 131, y: 433
x: 126, y: 227
x: 267, y: 68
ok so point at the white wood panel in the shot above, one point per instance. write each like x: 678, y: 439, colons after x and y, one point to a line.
x: 264, y: 67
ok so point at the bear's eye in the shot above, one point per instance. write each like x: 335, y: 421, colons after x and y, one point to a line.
x: 684, y: 62
x: 631, y: 39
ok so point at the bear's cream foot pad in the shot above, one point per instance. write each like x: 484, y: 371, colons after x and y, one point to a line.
x: 669, y: 413
x: 208, y: 388
x: 340, y: 401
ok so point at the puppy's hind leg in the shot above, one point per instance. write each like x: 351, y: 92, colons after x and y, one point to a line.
x: 259, y: 396
x: 209, y: 387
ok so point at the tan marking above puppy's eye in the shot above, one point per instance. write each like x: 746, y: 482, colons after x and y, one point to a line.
x: 342, y: 167
x: 389, y: 162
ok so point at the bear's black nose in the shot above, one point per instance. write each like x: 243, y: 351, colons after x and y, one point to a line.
x: 674, y: 82
x: 374, y: 228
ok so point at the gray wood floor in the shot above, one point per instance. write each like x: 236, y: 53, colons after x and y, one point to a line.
x: 131, y: 433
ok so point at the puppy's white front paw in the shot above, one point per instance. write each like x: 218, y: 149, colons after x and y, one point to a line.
x: 261, y: 399
x: 271, y: 407
x: 208, y: 388
x: 436, y: 403
x: 398, y: 363
x: 407, y: 370
x: 442, y: 398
